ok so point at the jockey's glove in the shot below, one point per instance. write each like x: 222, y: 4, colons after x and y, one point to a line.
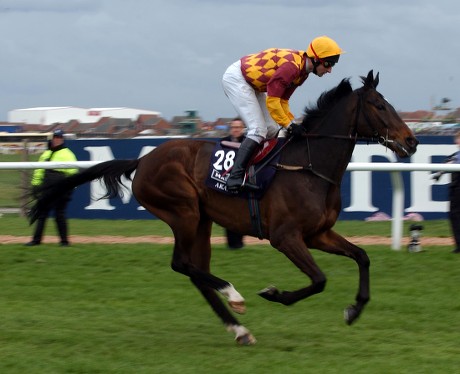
x: 295, y: 130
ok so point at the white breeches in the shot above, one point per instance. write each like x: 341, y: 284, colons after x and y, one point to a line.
x: 249, y: 104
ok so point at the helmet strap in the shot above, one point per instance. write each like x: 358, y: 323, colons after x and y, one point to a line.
x: 315, y: 64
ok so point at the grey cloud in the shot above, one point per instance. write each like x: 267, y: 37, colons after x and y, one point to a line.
x: 169, y: 56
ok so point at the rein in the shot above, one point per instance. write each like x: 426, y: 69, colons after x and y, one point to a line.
x: 306, y: 168
x: 352, y: 136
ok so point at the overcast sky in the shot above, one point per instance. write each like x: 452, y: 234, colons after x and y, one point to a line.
x: 169, y: 55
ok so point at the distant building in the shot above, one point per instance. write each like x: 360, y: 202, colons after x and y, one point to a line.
x: 186, y: 125
x: 417, y: 116
x: 6, y: 127
x: 46, y: 116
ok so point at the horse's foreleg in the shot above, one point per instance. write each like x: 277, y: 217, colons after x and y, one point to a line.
x: 296, y: 250
x: 332, y: 242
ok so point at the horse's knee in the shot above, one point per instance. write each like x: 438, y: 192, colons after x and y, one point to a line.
x: 180, y: 267
x: 363, y: 259
x: 318, y: 285
x: 287, y: 297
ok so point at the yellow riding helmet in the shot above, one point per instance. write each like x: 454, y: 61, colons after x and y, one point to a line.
x: 323, y: 47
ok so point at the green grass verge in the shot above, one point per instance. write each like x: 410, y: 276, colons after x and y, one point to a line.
x: 121, y: 309
x: 11, y: 181
x: 12, y: 224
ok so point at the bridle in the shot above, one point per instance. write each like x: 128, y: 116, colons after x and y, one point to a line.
x: 380, y: 139
x: 352, y: 136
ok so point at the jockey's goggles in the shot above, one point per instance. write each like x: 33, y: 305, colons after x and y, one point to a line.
x: 327, y: 62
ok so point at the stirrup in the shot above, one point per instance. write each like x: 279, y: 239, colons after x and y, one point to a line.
x: 236, y: 188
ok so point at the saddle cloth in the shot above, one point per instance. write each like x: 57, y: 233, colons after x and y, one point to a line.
x: 260, y: 172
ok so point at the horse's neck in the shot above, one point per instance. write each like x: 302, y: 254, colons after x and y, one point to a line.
x: 331, y: 157
x: 340, y: 120
x: 330, y: 152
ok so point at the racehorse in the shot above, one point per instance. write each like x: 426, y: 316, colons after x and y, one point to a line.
x: 297, y: 212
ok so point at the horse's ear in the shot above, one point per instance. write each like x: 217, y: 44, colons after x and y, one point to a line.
x: 370, y: 76
x: 376, y: 80
x: 370, y: 81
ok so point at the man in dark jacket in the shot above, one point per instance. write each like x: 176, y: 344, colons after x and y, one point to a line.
x: 57, y: 152
x: 237, y: 128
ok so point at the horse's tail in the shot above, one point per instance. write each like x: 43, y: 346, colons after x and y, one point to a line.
x: 110, y: 172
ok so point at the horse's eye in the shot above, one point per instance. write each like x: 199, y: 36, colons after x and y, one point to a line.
x: 380, y: 107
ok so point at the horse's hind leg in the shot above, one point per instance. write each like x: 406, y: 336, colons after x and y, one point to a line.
x: 194, y: 261
x: 202, y: 275
x: 242, y: 334
x: 178, y: 204
x: 332, y: 242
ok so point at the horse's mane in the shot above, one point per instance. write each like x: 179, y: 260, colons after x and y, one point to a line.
x: 326, y: 101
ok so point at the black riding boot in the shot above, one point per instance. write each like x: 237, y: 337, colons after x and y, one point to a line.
x: 244, y: 154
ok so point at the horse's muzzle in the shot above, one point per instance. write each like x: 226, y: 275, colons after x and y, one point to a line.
x: 412, y: 142
x: 407, y: 149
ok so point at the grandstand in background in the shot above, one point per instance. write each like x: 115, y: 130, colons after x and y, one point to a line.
x: 122, y: 123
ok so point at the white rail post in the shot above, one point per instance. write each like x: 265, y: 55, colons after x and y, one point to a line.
x: 397, y: 210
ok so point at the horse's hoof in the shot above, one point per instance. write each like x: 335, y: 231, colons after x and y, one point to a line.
x: 270, y: 293
x: 246, y: 339
x: 350, y: 314
x: 237, y: 306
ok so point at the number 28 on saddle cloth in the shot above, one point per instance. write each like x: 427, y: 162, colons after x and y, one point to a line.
x: 260, y: 171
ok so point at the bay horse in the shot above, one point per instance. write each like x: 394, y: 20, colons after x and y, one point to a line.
x: 297, y: 213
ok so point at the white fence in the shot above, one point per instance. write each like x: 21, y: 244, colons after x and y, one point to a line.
x: 394, y: 168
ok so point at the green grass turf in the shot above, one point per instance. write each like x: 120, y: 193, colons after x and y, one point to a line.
x: 121, y: 309
x: 13, y: 224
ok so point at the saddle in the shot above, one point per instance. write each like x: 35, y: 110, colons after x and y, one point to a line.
x: 266, y: 147
x: 261, y: 169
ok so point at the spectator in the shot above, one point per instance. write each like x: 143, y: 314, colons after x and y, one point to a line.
x: 237, y: 128
x: 57, y: 151
x: 454, y: 195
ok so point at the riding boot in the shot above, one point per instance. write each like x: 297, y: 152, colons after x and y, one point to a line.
x: 236, y: 178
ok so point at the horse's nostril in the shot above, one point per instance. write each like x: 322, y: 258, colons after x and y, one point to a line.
x: 411, y: 141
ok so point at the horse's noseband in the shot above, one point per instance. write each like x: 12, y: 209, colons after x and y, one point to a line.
x: 376, y: 137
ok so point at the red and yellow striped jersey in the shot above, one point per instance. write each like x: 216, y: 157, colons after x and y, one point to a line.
x: 278, y: 72
x: 275, y: 71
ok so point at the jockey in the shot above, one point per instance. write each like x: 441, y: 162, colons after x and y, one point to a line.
x: 259, y: 87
